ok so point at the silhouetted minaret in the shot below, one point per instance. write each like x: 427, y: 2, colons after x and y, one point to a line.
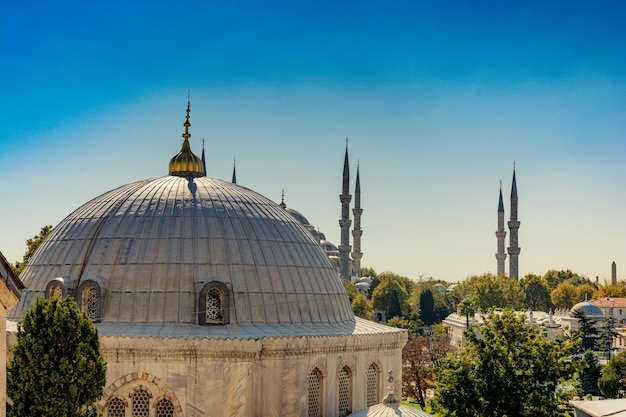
x: 345, y: 222
x: 203, y: 158
x: 514, y: 223
x: 501, y: 235
x: 614, y: 273
x: 234, y: 172
x: 357, y: 232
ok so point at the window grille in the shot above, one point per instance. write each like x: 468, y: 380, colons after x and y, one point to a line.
x: 90, y: 303
x: 315, y: 394
x: 56, y: 292
x: 372, y: 386
x: 344, y: 391
x: 214, y: 306
x: 164, y: 408
x: 116, y: 408
x: 141, y: 402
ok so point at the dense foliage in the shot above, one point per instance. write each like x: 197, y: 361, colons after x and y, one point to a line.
x: 507, y: 367
x: 31, y: 246
x: 56, y: 368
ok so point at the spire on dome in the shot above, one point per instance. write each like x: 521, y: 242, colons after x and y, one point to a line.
x: 203, y: 158
x: 500, y: 203
x: 234, y: 181
x: 391, y: 398
x: 282, y: 200
x: 185, y: 163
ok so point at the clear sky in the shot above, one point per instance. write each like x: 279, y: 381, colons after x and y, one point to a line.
x: 437, y: 98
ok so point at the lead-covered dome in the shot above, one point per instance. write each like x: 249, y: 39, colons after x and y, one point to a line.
x: 153, y: 250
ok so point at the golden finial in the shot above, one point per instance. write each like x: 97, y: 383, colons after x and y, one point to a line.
x: 187, y: 135
x: 185, y: 163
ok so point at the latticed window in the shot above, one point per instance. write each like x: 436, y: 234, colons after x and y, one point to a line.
x: 372, y: 385
x: 214, y: 306
x: 141, y: 402
x: 164, y: 408
x: 55, y: 292
x: 344, y: 391
x: 90, y: 303
x: 315, y: 393
x: 116, y: 408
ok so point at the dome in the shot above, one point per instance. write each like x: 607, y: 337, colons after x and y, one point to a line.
x: 152, y: 245
x: 439, y: 287
x: 298, y: 216
x: 588, y: 308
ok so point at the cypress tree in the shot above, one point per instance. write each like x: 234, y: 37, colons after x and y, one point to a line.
x: 56, y: 368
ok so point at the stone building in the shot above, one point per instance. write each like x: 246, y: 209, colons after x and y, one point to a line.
x: 10, y: 290
x: 211, y: 300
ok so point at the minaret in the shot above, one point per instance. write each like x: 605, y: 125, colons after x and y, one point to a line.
x: 234, y: 171
x: 500, y: 235
x: 614, y: 273
x: 357, y: 232
x: 345, y: 222
x: 513, y: 249
x: 203, y: 158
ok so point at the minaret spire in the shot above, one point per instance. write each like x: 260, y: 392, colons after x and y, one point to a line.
x: 500, y: 235
x: 185, y: 163
x: 234, y: 171
x: 357, y: 211
x: 514, y: 224
x: 203, y: 158
x: 282, y: 200
x: 345, y: 222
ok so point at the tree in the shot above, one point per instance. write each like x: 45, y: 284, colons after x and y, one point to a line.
x: 391, y: 296
x: 607, y: 335
x: 587, y: 332
x: 56, y: 368
x: 612, y: 383
x: 553, y: 278
x: 564, y: 295
x: 507, y: 367
x: 590, y: 374
x: 31, y: 246
x: 427, y: 307
x: 585, y: 291
x: 466, y: 308
x: 360, y: 305
x: 536, y: 293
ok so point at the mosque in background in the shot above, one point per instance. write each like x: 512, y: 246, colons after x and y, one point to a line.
x: 513, y: 224
x: 212, y: 300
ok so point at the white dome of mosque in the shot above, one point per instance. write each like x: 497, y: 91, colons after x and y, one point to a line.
x: 588, y: 308
x: 298, y: 216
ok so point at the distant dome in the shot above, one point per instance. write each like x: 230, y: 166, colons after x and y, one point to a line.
x: 298, y: 216
x: 439, y: 287
x: 329, y: 246
x: 452, y: 287
x: 151, y: 244
x: 588, y: 308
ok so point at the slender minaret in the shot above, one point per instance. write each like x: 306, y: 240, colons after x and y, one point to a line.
x: 203, y: 158
x: 345, y: 222
x: 234, y: 171
x: 614, y: 273
x: 357, y: 232
x: 514, y: 249
x: 501, y: 235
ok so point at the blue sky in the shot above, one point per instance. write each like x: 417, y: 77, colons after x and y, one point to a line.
x: 437, y: 98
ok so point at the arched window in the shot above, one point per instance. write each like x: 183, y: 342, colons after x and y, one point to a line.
x: 164, y: 408
x: 90, y: 303
x: 315, y: 393
x: 372, y: 386
x: 55, y: 291
x: 140, y: 402
x: 116, y: 408
x: 213, y: 303
x: 214, y: 306
x: 345, y: 391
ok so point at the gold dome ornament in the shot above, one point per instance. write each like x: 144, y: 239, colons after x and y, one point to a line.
x: 185, y: 163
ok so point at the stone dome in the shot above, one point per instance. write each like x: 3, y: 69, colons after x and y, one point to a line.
x: 151, y: 246
x: 588, y: 308
x: 298, y: 216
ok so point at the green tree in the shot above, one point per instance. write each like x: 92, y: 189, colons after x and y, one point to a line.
x: 31, y: 246
x: 553, y: 278
x: 564, y: 295
x: 590, y: 374
x: 391, y: 296
x: 607, y: 335
x: 466, y: 308
x: 536, y: 293
x: 585, y: 291
x: 427, y: 307
x: 507, y: 367
x: 587, y: 332
x: 56, y: 368
x: 360, y: 304
x: 618, y: 290
x: 612, y: 383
